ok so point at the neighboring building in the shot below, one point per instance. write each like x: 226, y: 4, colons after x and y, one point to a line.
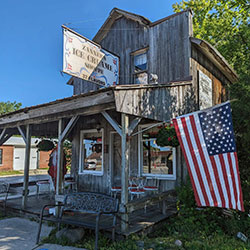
x: 12, y: 154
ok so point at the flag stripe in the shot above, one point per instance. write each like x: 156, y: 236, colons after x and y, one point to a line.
x: 177, y: 128
x: 198, y: 160
x: 236, y: 180
x: 221, y: 179
x: 238, y: 175
x: 229, y: 177
x: 219, y: 184
x: 233, y: 179
x: 190, y: 146
x: 225, y: 179
x: 204, y: 163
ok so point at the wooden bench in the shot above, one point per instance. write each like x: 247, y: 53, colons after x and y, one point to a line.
x: 76, y: 205
x: 4, y: 189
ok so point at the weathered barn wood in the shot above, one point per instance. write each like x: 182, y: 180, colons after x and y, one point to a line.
x: 169, y: 46
x: 87, y: 101
x: 158, y: 102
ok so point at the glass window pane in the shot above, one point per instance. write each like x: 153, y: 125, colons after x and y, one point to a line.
x: 157, y: 160
x: 140, y: 62
x: 92, y: 151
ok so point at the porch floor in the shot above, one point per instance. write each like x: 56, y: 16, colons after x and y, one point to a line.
x: 141, y: 221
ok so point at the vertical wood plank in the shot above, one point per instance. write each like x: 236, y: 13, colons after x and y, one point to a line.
x: 124, y: 174
x: 59, y: 180
x: 26, y: 168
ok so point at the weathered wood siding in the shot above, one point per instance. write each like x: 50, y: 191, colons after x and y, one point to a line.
x: 170, y: 48
x: 124, y: 37
x: 81, y: 86
x: 90, y: 182
x: 112, y: 163
x: 168, y: 54
x: 158, y: 102
x: 219, y: 82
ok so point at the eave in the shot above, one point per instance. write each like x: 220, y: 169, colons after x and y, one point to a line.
x: 216, y: 58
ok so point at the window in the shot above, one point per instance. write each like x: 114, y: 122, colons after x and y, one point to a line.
x: 1, y: 156
x: 155, y: 160
x: 91, y: 152
x: 140, y: 66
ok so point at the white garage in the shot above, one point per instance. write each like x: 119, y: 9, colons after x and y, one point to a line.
x: 19, y: 154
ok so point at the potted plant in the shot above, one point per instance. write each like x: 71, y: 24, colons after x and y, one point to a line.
x: 166, y: 136
x: 45, y: 145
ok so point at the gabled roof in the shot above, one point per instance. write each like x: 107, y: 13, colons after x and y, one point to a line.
x: 115, y: 14
x: 118, y: 13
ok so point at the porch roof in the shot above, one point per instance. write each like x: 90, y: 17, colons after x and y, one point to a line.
x: 157, y: 102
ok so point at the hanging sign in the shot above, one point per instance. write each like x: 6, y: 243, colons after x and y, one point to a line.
x: 205, y: 91
x: 87, y: 60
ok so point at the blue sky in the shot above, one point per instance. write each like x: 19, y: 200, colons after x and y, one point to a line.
x: 31, y: 41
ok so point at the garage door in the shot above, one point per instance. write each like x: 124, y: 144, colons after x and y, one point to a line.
x: 19, y: 155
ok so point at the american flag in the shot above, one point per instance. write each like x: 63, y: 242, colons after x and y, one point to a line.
x: 207, y: 141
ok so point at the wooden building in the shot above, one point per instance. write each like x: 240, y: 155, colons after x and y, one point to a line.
x: 163, y: 73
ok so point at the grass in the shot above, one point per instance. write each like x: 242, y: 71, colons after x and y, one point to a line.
x: 10, y: 172
x: 204, y: 229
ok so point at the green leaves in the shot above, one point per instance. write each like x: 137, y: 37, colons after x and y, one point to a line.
x: 6, y: 107
x: 224, y: 24
x: 167, y: 137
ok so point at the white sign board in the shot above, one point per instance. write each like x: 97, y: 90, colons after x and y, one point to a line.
x: 88, y: 61
x: 205, y: 91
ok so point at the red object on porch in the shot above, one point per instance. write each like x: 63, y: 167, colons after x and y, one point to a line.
x: 53, y: 165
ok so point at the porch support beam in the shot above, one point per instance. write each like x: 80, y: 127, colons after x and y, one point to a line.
x: 2, y: 134
x: 27, y: 140
x: 124, y: 174
x: 22, y: 134
x: 59, y: 181
x: 68, y: 128
x: 5, y: 135
x: 62, y: 135
x: 133, y: 125
x: 112, y: 122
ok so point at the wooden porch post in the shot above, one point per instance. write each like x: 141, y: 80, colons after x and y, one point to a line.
x: 124, y: 175
x: 62, y: 134
x: 27, y: 140
x: 59, y: 179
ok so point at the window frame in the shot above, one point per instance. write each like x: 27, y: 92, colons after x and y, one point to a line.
x: 136, y: 53
x: 81, y: 171
x: 1, y: 156
x: 140, y: 158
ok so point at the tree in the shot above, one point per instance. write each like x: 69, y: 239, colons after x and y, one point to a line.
x: 226, y: 25
x: 6, y: 107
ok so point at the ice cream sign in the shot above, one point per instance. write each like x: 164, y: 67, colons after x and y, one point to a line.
x: 87, y: 60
